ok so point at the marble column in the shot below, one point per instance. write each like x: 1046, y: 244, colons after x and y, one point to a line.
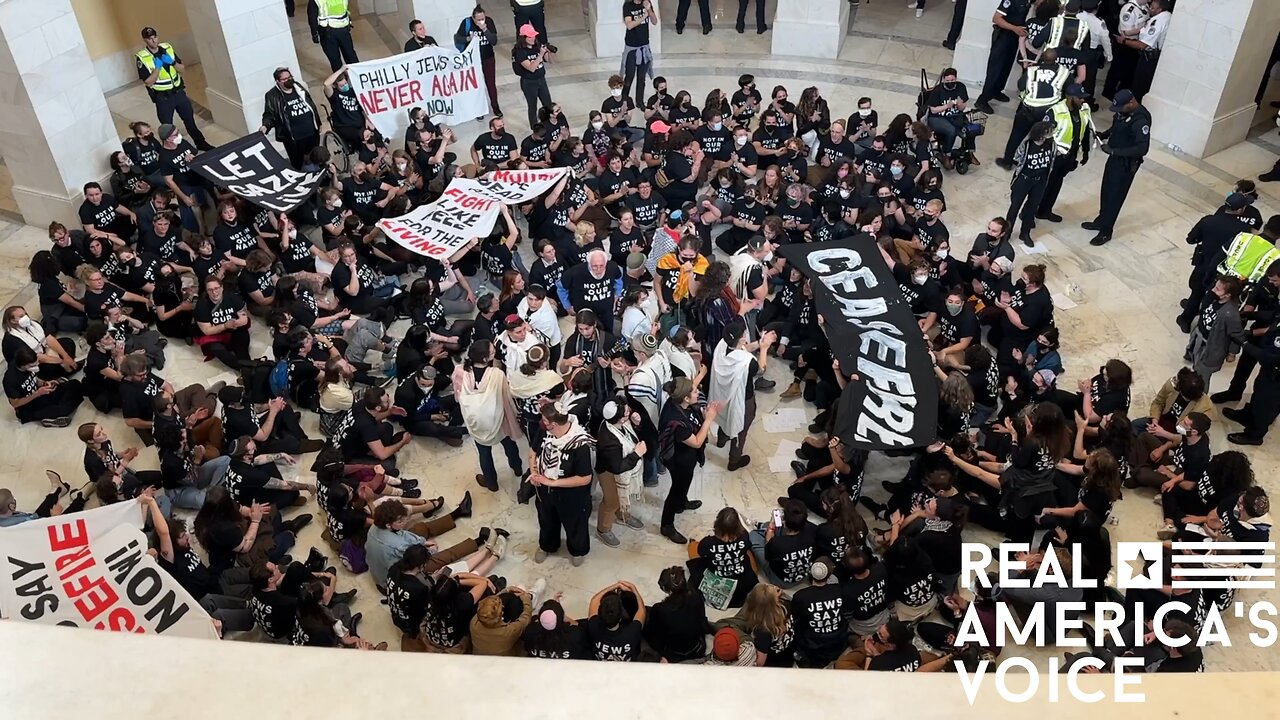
x: 810, y: 28
x: 974, y: 44
x: 378, y: 7
x: 241, y: 42
x: 604, y: 22
x: 57, y: 132
x: 1202, y: 99
x: 441, y: 17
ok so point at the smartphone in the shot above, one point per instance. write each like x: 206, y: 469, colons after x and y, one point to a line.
x: 777, y: 518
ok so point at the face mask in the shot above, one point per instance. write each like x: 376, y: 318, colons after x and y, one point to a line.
x: 597, y: 125
x: 895, y: 171
x: 948, y: 85
x: 941, y: 254
x: 845, y: 193
x: 344, y: 87
x: 401, y: 166
x: 741, y: 140
x: 864, y: 112
x: 955, y: 308
x: 24, y: 322
x: 793, y: 202
x: 616, y: 92
x: 1182, y: 429
x: 919, y: 279
x: 293, y: 233
x: 288, y: 84
x: 337, y: 203
x: 717, y: 126
x: 177, y: 138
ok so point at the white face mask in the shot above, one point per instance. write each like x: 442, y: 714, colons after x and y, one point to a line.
x: 919, y: 279
x: 177, y: 139
x: 1182, y: 429
x: 401, y: 166
x: 845, y: 193
x: 741, y: 140
x: 616, y: 92
x: 24, y: 322
x: 337, y: 203
x: 941, y: 254
x: 864, y: 111
x: 597, y: 125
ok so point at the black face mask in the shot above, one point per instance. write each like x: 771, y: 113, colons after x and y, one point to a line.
x: 288, y: 84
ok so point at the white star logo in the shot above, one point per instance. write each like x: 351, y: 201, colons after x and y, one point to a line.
x: 1139, y: 565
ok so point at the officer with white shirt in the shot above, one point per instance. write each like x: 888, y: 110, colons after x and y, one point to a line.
x: 1149, y: 43
x: 1133, y: 17
x: 1099, y: 48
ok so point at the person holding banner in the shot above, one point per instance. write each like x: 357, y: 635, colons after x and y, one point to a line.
x: 291, y: 113
x: 480, y: 27
x: 346, y: 116
x: 529, y: 57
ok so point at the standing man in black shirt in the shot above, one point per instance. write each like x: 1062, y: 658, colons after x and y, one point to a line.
x: 704, y: 11
x: 160, y: 69
x: 1033, y: 162
x: 1126, y: 144
x: 480, y: 26
x: 637, y: 58
x: 1009, y: 24
x: 529, y: 57
x: 761, y: 27
x: 530, y: 12
x: 291, y: 112
x: 418, y: 37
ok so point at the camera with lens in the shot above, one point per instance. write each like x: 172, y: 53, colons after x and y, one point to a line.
x: 552, y: 48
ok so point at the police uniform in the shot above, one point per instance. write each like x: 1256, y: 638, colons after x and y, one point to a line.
x: 1099, y: 51
x: 168, y: 92
x: 1133, y: 16
x: 1152, y: 35
x: 1128, y: 141
x: 1051, y: 36
x: 1264, y: 302
x: 1004, y: 48
x: 1042, y: 87
x: 1073, y: 134
x: 330, y: 23
x: 1263, y: 407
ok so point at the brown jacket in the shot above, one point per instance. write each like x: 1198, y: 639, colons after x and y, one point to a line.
x: 502, y: 638
x: 1164, y: 400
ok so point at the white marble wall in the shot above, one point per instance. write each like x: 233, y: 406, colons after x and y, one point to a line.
x: 810, y: 28
x: 604, y: 22
x: 1202, y: 99
x: 441, y: 17
x: 240, y: 43
x: 974, y: 45
x: 56, y: 132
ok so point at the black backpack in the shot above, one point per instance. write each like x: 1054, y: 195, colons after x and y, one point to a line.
x: 256, y: 376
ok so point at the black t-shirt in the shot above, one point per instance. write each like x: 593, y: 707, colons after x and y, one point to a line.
x: 637, y: 36
x: 932, y: 234
x: 924, y: 298
x: 19, y: 384
x: 1106, y: 400
x: 726, y: 559
x: 495, y: 149
x: 237, y: 239
x: 532, y: 148
x: 780, y: 650
x: 137, y: 399
x: 341, y: 277
x: 749, y: 100
x: 94, y: 302
x: 618, y: 108
x: 905, y: 659
x: 789, y: 556
x: 246, y: 483
x: 821, y: 630
x: 346, y: 109
x: 835, y: 151
x: 1034, y: 309
x: 940, y: 94
x: 522, y: 52
x: 716, y: 144
x: 407, y: 600
x: 102, y: 216
x: 955, y: 328
x: 240, y: 421
x: 190, y: 572
x: 913, y: 586
x: 620, y: 644
x: 223, y: 539
x: 362, y: 195
x: 176, y: 163
x: 648, y: 211
x: 570, y: 645
x: 275, y: 612
x: 364, y: 429
x: 864, y: 598
x: 447, y: 626
x: 225, y: 311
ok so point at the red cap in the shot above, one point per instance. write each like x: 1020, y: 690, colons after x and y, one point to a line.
x: 660, y: 127
x: 725, y: 646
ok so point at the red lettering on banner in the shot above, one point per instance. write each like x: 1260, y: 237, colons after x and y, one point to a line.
x: 98, y: 596
x: 121, y: 620
x: 454, y: 83
x: 67, y: 536
x: 81, y: 557
x: 401, y: 95
x: 415, y: 241
x: 469, y: 202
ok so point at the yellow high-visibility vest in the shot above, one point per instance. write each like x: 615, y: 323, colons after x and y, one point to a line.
x: 333, y: 13
x: 1248, y: 257
x: 168, y: 78
x: 1062, y: 134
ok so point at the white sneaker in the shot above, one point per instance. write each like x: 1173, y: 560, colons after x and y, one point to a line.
x: 497, y: 545
x: 537, y: 590
x: 540, y: 555
x: 919, y: 12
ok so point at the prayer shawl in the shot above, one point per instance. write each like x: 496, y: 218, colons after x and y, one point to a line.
x: 671, y: 261
x: 514, y: 353
x: 630, y: 482
x: 33, y: 336
x: 680, y: 359
x: 729, y: 386
x: 526, y: 389
x: 543, y: 322
x: 555, y: 448
x: 487, y: 410
x: 740, y: 266
x: 645, y: 385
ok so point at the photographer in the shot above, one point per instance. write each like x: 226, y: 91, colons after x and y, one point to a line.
x: 528, y: 59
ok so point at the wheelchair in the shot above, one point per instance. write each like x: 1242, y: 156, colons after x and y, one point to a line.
x: 339, y: 153
x: 975, y: 126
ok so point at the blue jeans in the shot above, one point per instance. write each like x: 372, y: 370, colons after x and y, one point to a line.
x: 187, y: 498
x: 1139, y: 425
x: 486, y: 460
x: 388, y: 288
x: 211, y: 473
x: 187, y: 214
x: 757, y: 549
x: 946, y: 132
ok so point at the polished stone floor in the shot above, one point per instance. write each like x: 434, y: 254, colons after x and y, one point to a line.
x: 1128, y: 290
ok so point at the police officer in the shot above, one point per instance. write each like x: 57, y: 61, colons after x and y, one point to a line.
x: 1211, y: 236
x: 1009, y: 24
x: 1264, y: 406
x: 1148, y: 44
x: 160, y: 68
x: 1133, y: 16
x: 1262, y: 307
x: 331, y: 27
x: 1041, y: 88
x: 1052, y: 36
x: 1127, y: 142
x: 1099, y: 52
x: 1034, y: 161
x: 1073, y: 133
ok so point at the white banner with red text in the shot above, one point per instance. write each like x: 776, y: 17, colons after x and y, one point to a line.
x: 467, y: 210
x: 448, y: 84
x: 91, y: 569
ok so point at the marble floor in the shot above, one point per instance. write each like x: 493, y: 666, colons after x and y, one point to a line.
x: 1124, y: 307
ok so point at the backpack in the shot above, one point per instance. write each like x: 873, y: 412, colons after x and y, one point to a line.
x: 922, y: 100
x: 352, y: 557
x: 278, y: 380
x: 466, y: 31
x: 256, y: 376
